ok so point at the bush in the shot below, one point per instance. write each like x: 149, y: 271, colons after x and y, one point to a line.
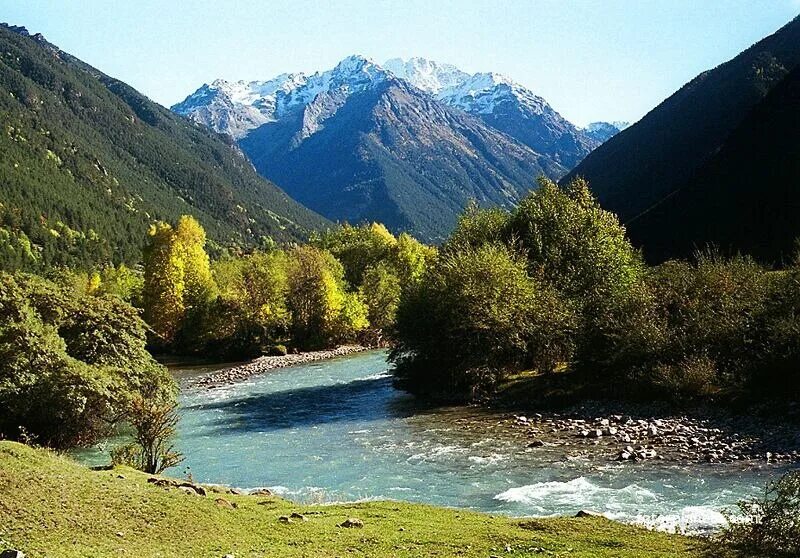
x: 475, y: 315
x: 70, y: 364
x: 770, y: 526
x: 153, y: 419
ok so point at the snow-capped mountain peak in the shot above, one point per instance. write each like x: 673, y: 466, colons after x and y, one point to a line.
x: 237, y: 107
x: 426, y: 74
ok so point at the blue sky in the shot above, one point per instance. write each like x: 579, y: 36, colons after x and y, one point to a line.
x: 592, y: 59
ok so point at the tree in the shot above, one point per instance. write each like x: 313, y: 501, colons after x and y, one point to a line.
x: 177, y: 279
x: 251, y: 314
x: 410, y: 257
x: 199, y: 286
x: 322, y: 311
x: 572, y: 242
x: 381, y: 290
x: 477, y: 227
x: 357, y: 248
x: 71, y: 362
x: 475, y: 315
x: 164, y: 283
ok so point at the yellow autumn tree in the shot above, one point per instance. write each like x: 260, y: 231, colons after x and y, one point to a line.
x: 190, y: 241
x: 177, y: 276
x: 163, y: 283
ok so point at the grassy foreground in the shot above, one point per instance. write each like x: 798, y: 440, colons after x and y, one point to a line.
x: 52, y: 506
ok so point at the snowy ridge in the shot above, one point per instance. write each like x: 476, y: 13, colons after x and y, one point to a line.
x: 237, y: 107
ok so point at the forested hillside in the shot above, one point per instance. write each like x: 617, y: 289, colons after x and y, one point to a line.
x: 746, y: 198
x: 88, y: 163
x: 647, y: 162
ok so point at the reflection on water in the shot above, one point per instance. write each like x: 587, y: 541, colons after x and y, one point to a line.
x: 338, y: 430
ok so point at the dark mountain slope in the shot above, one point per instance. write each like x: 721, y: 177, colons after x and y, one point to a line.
x: 746, y: 198
x: 393, y: 153
x: 646, y: 162
x: 88, y: 163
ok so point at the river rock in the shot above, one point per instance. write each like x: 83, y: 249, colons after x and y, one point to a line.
x: 587, y: 513
x: 223, y: 503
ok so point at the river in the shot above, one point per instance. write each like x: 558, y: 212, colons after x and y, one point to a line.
x: 338, y: 431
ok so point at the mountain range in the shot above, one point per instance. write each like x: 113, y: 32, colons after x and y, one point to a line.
x: 89, y: 163
x: 715, y: 163
x: 407, y: 143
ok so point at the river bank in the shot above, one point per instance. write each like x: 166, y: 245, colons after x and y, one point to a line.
x: 636, y: 434
x: 117, y: 512
x: 263, y: 364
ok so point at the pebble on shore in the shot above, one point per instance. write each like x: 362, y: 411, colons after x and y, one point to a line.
x: 674, y: 438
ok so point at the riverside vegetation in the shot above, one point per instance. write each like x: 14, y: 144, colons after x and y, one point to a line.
x: 553, y: 287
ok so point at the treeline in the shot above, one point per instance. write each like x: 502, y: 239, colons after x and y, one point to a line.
x: 344, y: 286
x: 555, y: 286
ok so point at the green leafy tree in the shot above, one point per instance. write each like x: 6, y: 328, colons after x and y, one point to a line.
x: 357, y: 248
x: 572, y: 242
x: 381, y: 290
x: 475, y: 315
x: 322, y: 312
x: 71, y: 362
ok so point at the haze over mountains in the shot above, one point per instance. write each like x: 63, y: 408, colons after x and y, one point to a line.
x: 408, y: 143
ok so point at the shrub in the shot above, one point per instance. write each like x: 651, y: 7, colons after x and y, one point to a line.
x: 153, y: 419
x: 770, y: 526
x: 475, y: 315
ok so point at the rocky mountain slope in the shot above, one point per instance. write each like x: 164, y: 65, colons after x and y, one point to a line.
x: 358, y: 143
x: 407, y: 142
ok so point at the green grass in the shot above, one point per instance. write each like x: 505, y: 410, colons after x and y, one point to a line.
x: 52, y: 506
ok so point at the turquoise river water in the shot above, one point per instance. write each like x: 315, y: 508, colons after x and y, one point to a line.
x: 338, y: 431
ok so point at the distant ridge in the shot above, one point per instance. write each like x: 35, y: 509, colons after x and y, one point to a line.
x: 668, y: 149
x: 408, y: 143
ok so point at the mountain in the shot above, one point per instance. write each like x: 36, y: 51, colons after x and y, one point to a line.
x: 653, y: 159
x: 358, y: 143
x: 746, y: 197
x: 604, y: 131
x: 502, y: 104
x: 88, y: 163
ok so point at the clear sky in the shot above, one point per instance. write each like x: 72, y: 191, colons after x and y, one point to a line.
x: 591, y: 59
